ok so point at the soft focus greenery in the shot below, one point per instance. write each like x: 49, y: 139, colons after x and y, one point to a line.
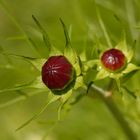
x: 89, y: 119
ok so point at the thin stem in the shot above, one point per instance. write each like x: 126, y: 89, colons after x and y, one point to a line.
x: 103, y: 27
x: 18, y: 99
x: 104, y: 95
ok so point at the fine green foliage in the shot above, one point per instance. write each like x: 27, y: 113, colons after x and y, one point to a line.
x: 88, y: 29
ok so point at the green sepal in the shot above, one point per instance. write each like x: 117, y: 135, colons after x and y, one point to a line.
x: 44, y: 34
x: 122, y: 45
x: 37, y: 83
x: 51, y: 49
x: 102, y: 74
x: 116, y: 75
x: 69, y: 101
x: 66, y: 96
x: 79, y: 83
x: 128, y: 52
x: 69, y: 52
x: 38, y: 63
x: 130, y: 67
x: 78, y: 66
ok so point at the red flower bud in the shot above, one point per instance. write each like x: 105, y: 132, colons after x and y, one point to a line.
x: 113, y: 60
x: 57, y: 72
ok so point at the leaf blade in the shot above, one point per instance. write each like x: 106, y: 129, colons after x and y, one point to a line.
x: 53, y: 99
x: 44, y: 33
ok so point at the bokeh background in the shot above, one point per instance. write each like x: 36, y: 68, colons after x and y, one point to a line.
x: 89, y: 119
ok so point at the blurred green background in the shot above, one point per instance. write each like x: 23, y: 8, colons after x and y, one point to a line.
x: 89, y: 119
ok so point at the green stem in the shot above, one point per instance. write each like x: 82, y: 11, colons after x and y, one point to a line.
x: 104, y: 95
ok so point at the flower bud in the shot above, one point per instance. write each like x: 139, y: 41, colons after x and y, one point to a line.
x: 57, y: 73
x: 113, y: 60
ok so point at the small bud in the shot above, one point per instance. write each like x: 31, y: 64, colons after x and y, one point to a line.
x: 57, y: 73
x: 113, y: 60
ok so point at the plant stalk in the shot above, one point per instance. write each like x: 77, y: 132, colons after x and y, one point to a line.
x: 106, y: 98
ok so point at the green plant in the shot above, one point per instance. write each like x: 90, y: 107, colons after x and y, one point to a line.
x: 87, y: 73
